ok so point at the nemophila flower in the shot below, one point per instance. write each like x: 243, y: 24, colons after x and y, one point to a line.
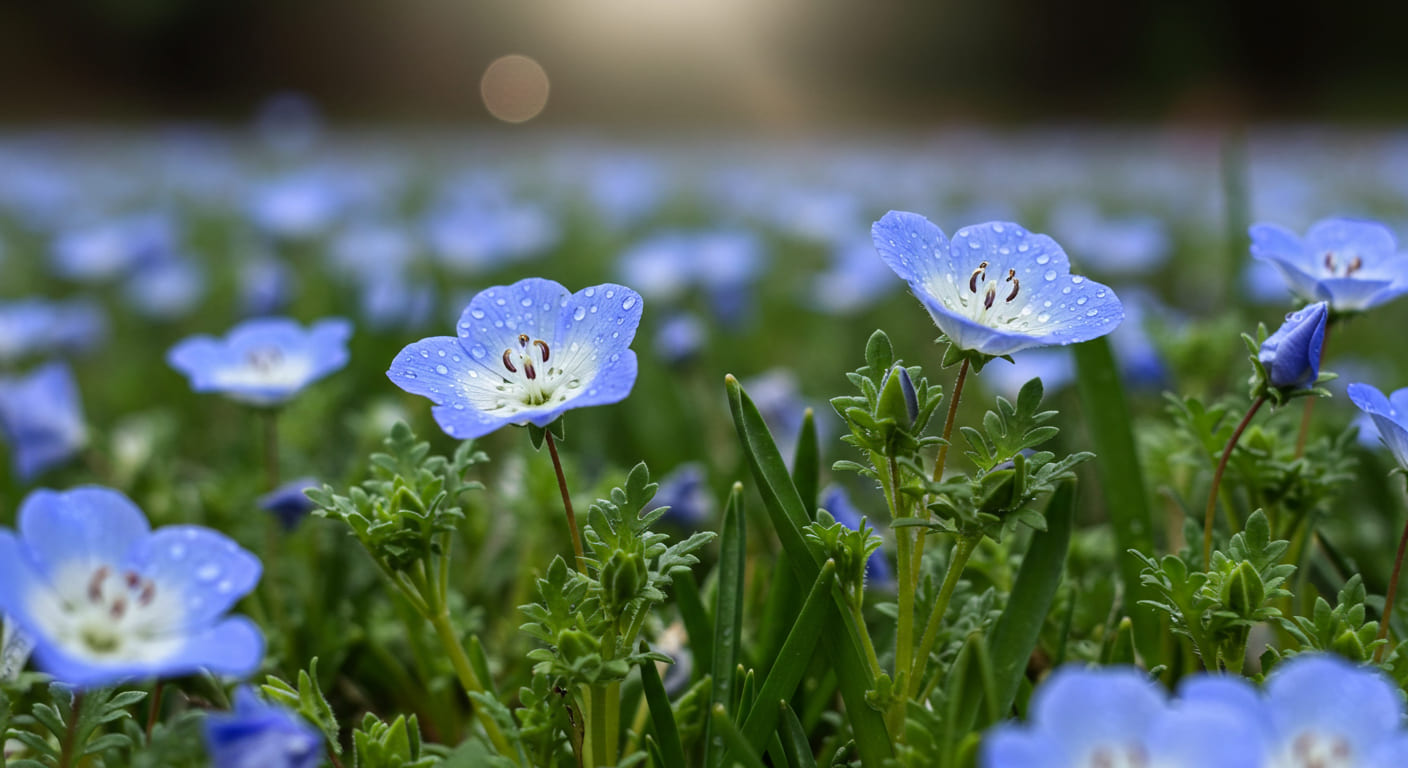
x: 853, y: 282
x: 39, y: 327
x: 525, y: 354
x: 1353, y: 265
x: 1131, y: 244
x: 289, y: 503
x: 167, y: 289
x: 264, y: 361
x: 996, y: 288
x: 680, y: 338
x: 41, y: 416
x: 1291, y: 355
x: 260, y: 735
x: 107, y: 599
x: 1389, y: 415
x: 267, y: 285
x: 298, y: 206
x: 112, y: 248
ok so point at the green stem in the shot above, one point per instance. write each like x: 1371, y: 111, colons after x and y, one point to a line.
x: 469, y: 681
x: 567, y: 503
x: 940, y: 462
x: 67, y: 758
x: 962, y: 550
x: 904, y: 622
x: 154, y: 711
x: 1392, y: 595
x: 1217, y: 479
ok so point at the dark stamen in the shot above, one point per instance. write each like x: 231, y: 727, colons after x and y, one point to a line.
x: 529, y: 370
x: 95, y: 585
x: 1016, y: 286
x: 148, y: 594
x: 509, y: 363
x: 133, y: 580
x: 991, y: 297
x: 1011, y: 275
x: 523, y: 340
x: 543, y: 347
x: 1354, y: 265
x: 119, y: 607
x: 1330, y: 262
x: 981, y: 271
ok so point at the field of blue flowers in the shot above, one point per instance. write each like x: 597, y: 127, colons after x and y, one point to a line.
x: 407, y: 449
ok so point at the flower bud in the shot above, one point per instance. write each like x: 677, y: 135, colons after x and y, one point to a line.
x: 1291, y: 355
x: 898, y: 400
x: 1244, y: 590
x: 622, y: 578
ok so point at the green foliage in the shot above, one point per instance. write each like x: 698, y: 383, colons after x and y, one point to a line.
x: 69, y: 727
x: 411, y: 500
x: 308, y: 701
x: 886, y: 425
x: 178, y: 742
x: 378, y: 744
x: 850, y: 549
x: 1341, y: 629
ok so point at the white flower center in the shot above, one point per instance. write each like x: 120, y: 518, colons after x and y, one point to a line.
x: 1338, y: 265
x: 532, y: 377
x: 265, y: 367
x: 1115, y: 756
x: 108, y: 616
x: 992, y: 296
x: 1312, y: 749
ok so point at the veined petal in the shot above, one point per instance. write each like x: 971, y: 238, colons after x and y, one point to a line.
x: 912, y: 246
x: 1390, y: 416
x: 1347, y: 239
x: 497, y: 316
x: 209, y: 569
x: 1351, y: 294
x: 1114, y: 706
x: 93, y: 525
x: 1332, y: 698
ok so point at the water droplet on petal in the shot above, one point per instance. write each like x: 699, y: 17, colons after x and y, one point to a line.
x: 629, y: 302
x: 208, y: 572
x: 1050, y: 275
x: 477, y: 351
x: 442, y: 370
x: 477, y: 314
x: 1081, y: 301
x: 1043, y: 317
x: 1092, y: 312
x: 590, y: 292
x: 1043, y: 258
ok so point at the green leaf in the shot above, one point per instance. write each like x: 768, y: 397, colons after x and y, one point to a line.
x: 728, y: 615
x: 697, y: 624
x: 795, y: 744
x: 1107, y: 418
x: 788, y: 516
x: 792, y: 661
x: 743, y: 752
x: 667, y: 735
x: 806, y: 463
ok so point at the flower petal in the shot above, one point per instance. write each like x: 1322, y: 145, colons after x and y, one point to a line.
x: 916, y: 249
x: 1388, y: 417
x: 97, y: 526
x: 1345, y: 239
x: 1009, y: 746
x: 1349, y: 294
x: 209, y: 569
x: 20, y: 583
x: 1333, y: 697
x: 1205, y: 736
x: 496, y: 316
x: 233, y: 647
x: 1089, y: 708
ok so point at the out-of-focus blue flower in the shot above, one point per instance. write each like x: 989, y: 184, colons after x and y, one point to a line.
x: 1291, y: 355
x: 1141, y: 364
x: 680, y: 338
x: 42, y: 419
x: 112, y: 248
x: 625, y: 190
x: 525, y: 353
x: 372, y: 251
x: 288, y: 122
x: 1352, y: 265
x: 165, y: 290
x: 260, y: 735
x: 299, y: 206
x: 289, y: 503
x: 1054, y: 367
x: 1389, y: 415
x: 686, y: 493
x: 35, y: 327
x: 1262, y: 283
x: 778, y: 397
x: 996, y: 289
x: 854, y: 282
x: 661, y: 266
x: 267, y: 286
x: 1115, y: 245
x: 395, y: 302
x: 470, y: 238
x: 877, y: 568
x: 107, y: 599
x: 264, y: 361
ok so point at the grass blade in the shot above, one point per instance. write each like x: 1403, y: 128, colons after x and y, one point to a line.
x: 1117, y: 465
x: 788, y: 516
x: 697, y: 623
x: 728, y: 733
x: 794, y: 739
x: 792, y: 661
x: 728, y: 616
x: 667, y: 735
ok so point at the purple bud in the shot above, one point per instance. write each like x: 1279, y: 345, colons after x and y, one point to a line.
x: 1291, y: 355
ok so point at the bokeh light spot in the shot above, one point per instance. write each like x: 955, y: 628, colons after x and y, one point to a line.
x: 515, y: 88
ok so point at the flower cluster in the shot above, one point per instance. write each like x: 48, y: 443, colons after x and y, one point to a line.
x: 1314, y: 711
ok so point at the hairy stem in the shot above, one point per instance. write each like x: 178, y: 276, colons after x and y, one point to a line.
x: 1217, y: 478
x: 1392, y: 594
x: 962, y: 550
x: 469, y: 680
x: 567, y: 504
x: 940, y: 461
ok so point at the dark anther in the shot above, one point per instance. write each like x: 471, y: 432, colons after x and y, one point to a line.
x: 523, y: 340
x: 509, y: 363
x: 981, y: 271
x: 119, y: 607
x: 95, y: 585
x: 1330, y: 262
x: 1011, y: 275
x: 147, y: 595
x: 543, y: 347
x: 133, y: 580
x: 529, y: 370
x: 1354, y: 266
x: 1016, y: 286
x: 991, y: 297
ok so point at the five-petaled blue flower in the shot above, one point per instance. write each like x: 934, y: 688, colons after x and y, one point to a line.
x: 1291, y: 355
x: 996, y: 288
x: 1390, y: 415
x: 264, y: 361
x: 41, y: 416
x: 107, y: 599
x: 1353, y: 265
x: 525, y: 353
x: 260, y: 735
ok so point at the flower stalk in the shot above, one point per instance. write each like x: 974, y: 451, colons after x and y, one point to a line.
x: 1211, y: 512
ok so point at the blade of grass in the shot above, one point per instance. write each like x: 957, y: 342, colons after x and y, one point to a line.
x: 667, y: 735
x: 1117, y: 465
x: 728, y: 732
x: 792, y: 660
x: 794, y: 739
x: 696, y: 620
x: 788, y: 516
x: 728, y: 617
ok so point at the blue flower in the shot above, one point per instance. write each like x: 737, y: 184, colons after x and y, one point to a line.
x: 1389, y: 414
x: 680, y: 338
x: 526, y: 353
x: 166, y: 289
x: 265, y: 361
x: 267, y: 285
x: 1352, y: 265
x: 877, y: 569
x: 997, y: 289
x: 40, y: 327
x: 110, y: 249
x: 42, y: 418
x: 1291, y: 355
x: 259, y: 735
x: 685, y: 493
x: 289, y: 503
x: 299, y: 206
x: 107, y: 599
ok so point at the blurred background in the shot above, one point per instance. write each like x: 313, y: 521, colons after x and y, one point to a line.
x: 788, y: 65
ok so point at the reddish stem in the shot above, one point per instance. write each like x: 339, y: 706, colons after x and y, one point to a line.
x: 1217, y: 479
x: 1392, y: 594
x: 567, y: 504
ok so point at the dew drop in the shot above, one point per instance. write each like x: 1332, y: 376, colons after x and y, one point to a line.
x: 974, y: 244
x: 477, y: 314
x: 590, y: 292
x: 580, y: 313
x: 1043, y: 317
x: 998, y: 228
x: 1050, y: 275
x: 477, y: 351
x: 629, y: 302
x: 208, y: 572
x: 441, y: 353
x: 500, y: 302
x: 1043, y: 258
x: 409, y: 375
x: 442, y: 370
x: 1066, y: 290
x: 1023, y: 248
x: 527, y: 302
x: 1081, y: 301
x: 1092, y: 312
x: 178, y: 551
x: 1077, y: 279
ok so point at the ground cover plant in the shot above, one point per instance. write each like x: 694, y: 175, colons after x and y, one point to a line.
x: 1044, y: 449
